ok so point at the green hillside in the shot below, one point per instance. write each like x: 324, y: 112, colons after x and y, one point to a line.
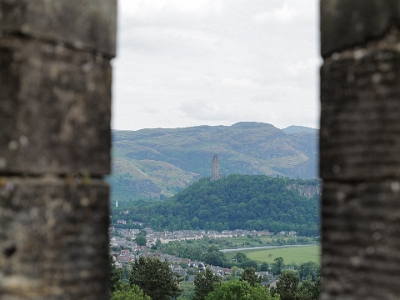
x: 157, y: 163
x: 299, y: 129
x: 253, y: 202
x: 298, y: 255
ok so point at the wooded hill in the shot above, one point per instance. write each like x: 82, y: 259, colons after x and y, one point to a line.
x: 252, y: 202
x: 157, y: 163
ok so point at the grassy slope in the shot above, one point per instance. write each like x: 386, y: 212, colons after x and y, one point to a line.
x: 289, y: 254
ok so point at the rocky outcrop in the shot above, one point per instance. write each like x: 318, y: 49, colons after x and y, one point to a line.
x: 308, y: 191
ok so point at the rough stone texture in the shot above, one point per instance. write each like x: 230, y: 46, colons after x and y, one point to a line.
x: 360, y: 241
x: 360, y: 149
x: 55, y: 107
x: 53, y: 239
x: 345, y: 23
x: 82, y: 24
x: 360, y: 112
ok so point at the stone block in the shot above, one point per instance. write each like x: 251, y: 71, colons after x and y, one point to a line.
x: 360, y: 112
x: 55, y: 109
x: 360, y: 244
x: 82, y: 24
x: 345, y: 24
x: 53, y: 239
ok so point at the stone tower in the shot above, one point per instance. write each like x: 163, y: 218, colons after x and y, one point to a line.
x: 215, y: 168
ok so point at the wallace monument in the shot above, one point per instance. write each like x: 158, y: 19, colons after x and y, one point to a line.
x: 215, y: 168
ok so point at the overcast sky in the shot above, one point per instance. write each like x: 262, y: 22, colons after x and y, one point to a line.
x: 184, y: 63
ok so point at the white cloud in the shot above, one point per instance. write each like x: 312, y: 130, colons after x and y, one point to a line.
x: 167, y: 11
x: 286, y: 13
x: 171, y: 53
x: 239, y: 82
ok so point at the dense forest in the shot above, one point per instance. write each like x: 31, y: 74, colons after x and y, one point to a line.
x: 252, y: 202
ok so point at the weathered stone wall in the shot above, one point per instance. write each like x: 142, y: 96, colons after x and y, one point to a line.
x: 360, y: 149
x: 55, y: 107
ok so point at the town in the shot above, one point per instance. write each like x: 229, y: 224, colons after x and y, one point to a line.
x: 124, y: 249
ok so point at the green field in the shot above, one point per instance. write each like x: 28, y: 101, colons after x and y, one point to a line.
x: 289, y: 254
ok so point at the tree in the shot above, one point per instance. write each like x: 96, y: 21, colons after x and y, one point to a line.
x: 204, y: 284
x: 306, y: 291
x: 240, y: 290
x: 309, y: 269
x: 264, y: 267
x: 141, y: 240
x: 142, y: 232
x: 214, y: 257
x: 317, y: 288
x: 127, y: 292
x: 249, y: 264
x: 157, y: 245
x: 155, y: 278
x: 188, y: 290
x: 277, y: 266
x: 309, y: 290
x: 236, y: 271
x: 125, y: 274
x: 115, y: 275
x: 250, y: 276
x: 240, y: 257
x: 286, y: 286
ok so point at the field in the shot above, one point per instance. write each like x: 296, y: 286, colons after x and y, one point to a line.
x: 289, y: 254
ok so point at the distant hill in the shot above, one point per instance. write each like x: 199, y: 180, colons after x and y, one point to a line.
x: 157, y: 163
x: 252, y: 202
x: 299, y: 129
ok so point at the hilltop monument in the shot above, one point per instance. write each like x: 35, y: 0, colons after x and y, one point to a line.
x: 215, y: 168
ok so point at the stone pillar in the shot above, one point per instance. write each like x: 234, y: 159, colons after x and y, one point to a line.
x: 360, y: 149
x: 55, y: 107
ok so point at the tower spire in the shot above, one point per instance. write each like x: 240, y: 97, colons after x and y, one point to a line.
x: 215, y: 168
